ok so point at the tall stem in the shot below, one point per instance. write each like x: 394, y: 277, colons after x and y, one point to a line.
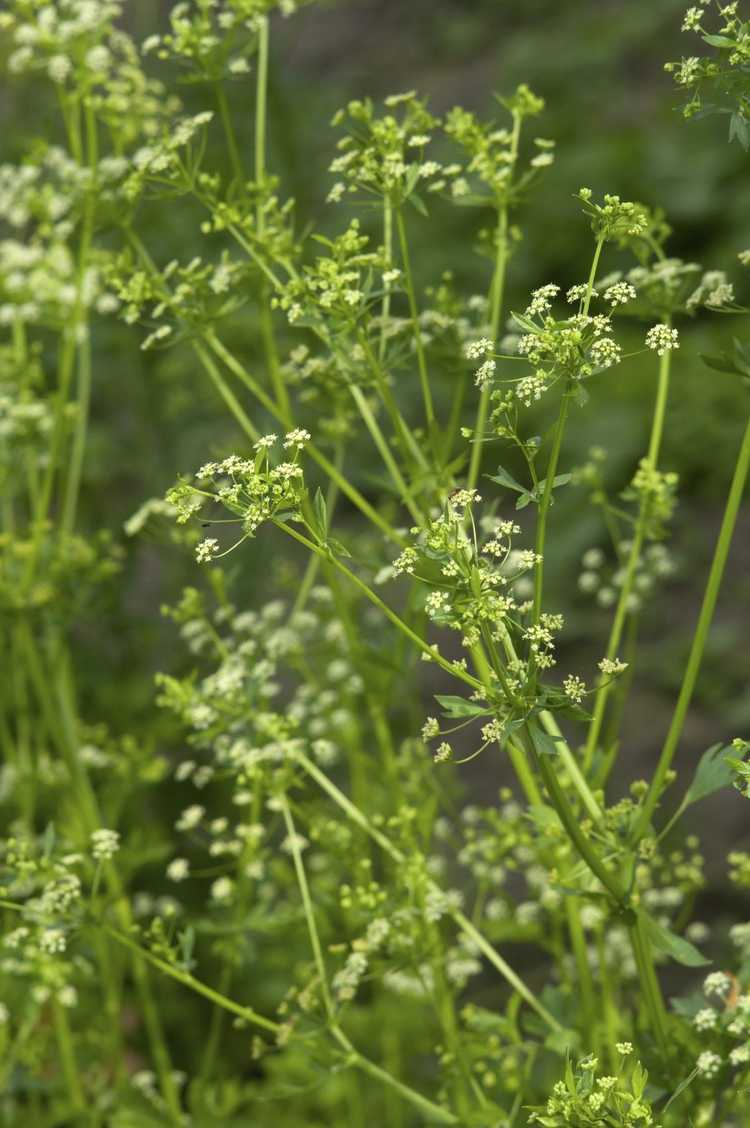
x: 418, y: 344
x: 497, y: 290
x: 708, y: 606
x: 634, y: 556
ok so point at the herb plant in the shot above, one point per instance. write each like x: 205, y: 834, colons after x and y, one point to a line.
x: 312, y: 926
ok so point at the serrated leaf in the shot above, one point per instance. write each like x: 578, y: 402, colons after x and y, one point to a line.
x: 460, y: 706
x: 712, y: 774
x: 670, y: 944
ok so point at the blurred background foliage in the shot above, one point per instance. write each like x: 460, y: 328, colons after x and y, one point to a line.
x: 615, y: 116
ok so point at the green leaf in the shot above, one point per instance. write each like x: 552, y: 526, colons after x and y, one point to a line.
x: 681, y: 1088
x: 546, y: 745
x: 320, y: 510
x: 338, y: 549
x: 670, y: 944
x: 460, y: 706
x: 739, y: 127
x: 719, y: 41
x: 503, y: 478
x: 712, y: 774
x: 720, y: 363
x: 418, y: 203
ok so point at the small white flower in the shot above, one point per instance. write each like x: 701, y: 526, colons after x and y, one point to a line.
x: 104, y: 844
x: 619, y: 294
x: 178, y: 869
x: 297, y: 438
x: 475, y: 350
x: 708, y: 1063
x: 206, y: 550
x: 222, y: 889
x: 717, y: 983
x: 705, y: 1019
x: 661, y: 338
x: 574, y: 688
x: 612, y: 666
x: 484, y: 373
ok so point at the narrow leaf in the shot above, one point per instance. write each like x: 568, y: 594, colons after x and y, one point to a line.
x: 460, y: 706
x: 670, y: 944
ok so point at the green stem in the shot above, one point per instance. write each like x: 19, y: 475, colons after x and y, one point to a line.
x: 618, y: 624
x: 226, y: 393
x: 80, y: 327
x: 261, y: 100
x: 571, y: 822
x: 449, y: 667
x: 410, y: 293
x: 585, y: 982
x: 187, y: 980
x: 68, y: 1061
x: 385, y: 307
x: 467, y: 927
x: 384, y: 450
x: 544, y: 506
x: 651, y: 990
x: 708, y: 606
x: 497, y: 290
x: 325, y: 464
x: 226, y: 121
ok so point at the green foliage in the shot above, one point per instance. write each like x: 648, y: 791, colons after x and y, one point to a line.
x: 260, y: 891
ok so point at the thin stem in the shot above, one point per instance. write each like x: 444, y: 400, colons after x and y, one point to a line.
x: 497, y: 289
x: 651, y: 990
x: 708, y: 606
x: 226, y: 121
x: 498, y: 286
x: 571, y: 822
x: 67, y: 1056
x: 450, y: 667
x: 80, y: 329
x: 187, y: 980
x: 544, y: 505
x: 467, y: 927
x: 421, y: 360
x: 385, y: 307
x: 383, y: 449
x: 307, y: 905
x: 618, y: 624
x: 325, y: 464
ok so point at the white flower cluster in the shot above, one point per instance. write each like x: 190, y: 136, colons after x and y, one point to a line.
x: 662, y: 339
